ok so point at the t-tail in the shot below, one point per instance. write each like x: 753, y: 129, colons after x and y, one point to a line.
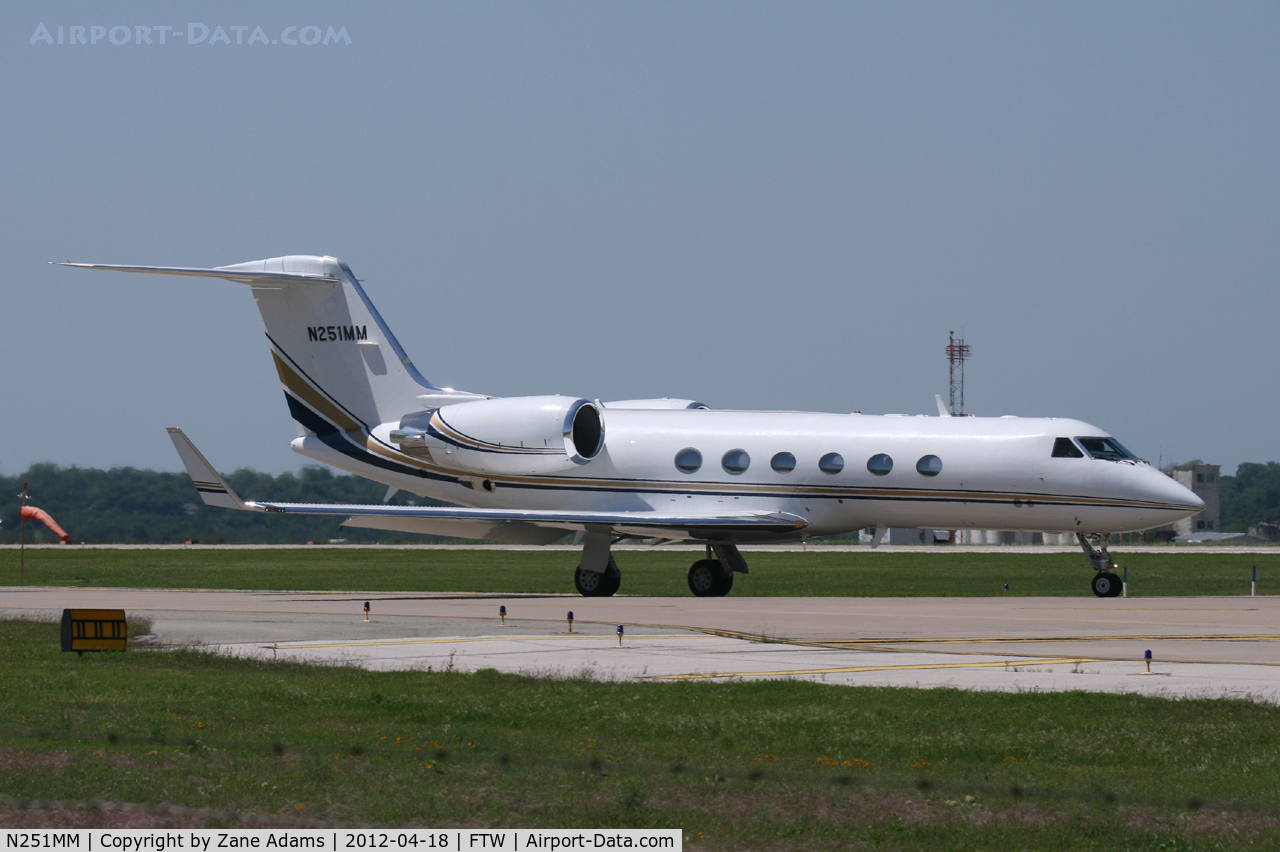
x: 341, y: 367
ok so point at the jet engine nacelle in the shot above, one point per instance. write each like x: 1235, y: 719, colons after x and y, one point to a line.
x: 523, y: 434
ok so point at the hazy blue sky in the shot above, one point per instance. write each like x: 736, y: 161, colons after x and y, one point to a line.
x: 781, y: 205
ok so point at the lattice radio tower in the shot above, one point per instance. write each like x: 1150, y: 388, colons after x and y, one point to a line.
x: 957, y: 354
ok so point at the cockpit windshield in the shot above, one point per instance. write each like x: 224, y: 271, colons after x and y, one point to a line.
x: 1105, y: 448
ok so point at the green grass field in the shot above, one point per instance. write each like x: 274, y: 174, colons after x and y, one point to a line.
x: 946, y: 572
x: 771, y: 765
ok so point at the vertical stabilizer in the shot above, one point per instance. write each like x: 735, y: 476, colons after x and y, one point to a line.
x: 339, y: 363
x: 342, y: 368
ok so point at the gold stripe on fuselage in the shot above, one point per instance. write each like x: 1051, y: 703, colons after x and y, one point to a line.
x: 360, y: 436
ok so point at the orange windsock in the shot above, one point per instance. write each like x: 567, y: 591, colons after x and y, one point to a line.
x: 34, y: 514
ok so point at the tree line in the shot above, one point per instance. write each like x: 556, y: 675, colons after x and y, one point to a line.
x: 1252, y: 495
x: 126, y: 505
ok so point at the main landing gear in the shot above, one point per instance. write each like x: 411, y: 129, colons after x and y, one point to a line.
x: 598, y: 584
x: 707, y: 579
x: 1106, y: 583
x: 597, y: 575
x: 713, y: 577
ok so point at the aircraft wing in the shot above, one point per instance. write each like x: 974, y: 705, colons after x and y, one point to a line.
x: 529, y: 526
x: 644, y: 524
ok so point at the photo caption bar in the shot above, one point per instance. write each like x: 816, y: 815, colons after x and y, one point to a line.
x: 340, y: 840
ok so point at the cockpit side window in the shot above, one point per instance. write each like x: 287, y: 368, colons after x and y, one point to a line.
x: 1065, y: 448
x: 1105, y: 448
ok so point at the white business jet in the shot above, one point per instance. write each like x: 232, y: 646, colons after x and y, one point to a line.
x: 533, y: 469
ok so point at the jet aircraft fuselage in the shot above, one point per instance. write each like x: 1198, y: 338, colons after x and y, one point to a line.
x: 531, y: 469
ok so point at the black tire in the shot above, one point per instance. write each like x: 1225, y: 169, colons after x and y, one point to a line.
x: 612, y: 581
x: 707, y: 579
x: 591, y: 584
x: 1106, y: 585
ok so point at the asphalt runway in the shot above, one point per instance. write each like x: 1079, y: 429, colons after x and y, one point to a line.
x: 1202, y: 646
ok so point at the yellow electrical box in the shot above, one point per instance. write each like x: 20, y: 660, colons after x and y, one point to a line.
x: 93, y: 630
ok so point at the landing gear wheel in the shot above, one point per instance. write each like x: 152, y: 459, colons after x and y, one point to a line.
x: 588, y: 583
x: 1106, y: 585
x: 707, y: 579
x: 591, y: 584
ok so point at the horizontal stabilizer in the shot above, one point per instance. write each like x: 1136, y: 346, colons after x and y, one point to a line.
x: 213, y: 490
x: 242, y: 272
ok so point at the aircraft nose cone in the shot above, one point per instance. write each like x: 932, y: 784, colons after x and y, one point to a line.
x: 1165, y: 489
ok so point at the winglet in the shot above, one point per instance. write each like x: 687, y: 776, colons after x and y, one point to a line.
x: 213, y: 490
x: 943, y: 410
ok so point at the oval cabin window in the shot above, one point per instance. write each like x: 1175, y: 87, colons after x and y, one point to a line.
x: 929, y: 465
x: 688, y: 460
x: 880, y: 464
x: 736, y: 461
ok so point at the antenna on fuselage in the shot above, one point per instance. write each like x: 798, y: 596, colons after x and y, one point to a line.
x: 957, y: 353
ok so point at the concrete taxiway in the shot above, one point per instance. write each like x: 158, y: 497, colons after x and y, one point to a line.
x: 1202, y: 646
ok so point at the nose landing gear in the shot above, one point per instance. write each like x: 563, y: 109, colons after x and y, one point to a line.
x: 1106, y: 583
